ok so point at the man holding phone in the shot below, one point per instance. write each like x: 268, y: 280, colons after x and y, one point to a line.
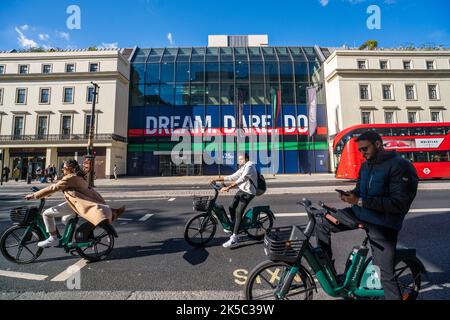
x: 385, y: 190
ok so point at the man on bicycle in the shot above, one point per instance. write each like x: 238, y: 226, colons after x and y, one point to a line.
x: 245, y: 179
x: 386, y: 188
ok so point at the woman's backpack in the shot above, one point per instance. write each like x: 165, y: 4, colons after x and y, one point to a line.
x: 261, y: 187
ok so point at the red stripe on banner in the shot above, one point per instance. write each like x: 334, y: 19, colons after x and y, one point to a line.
x: 223, y: 132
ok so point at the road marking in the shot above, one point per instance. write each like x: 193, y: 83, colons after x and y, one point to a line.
x: 284, y: 215
x: 146, y: 217
x: 124, y: 219
x: 172, y: 199
x: 429, y: 210
x: 66, y: 274
x: 21, y: 275
x: 137, y: 199
x: 303, y: 214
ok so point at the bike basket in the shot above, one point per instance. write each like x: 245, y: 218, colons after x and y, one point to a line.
x: 284, y: 243
x: 202, y: 203
x: 23, y: 215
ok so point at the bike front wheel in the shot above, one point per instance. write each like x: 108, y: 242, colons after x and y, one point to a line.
x: 266, y: 280
x: 200, y: 230
x: 407, y: 273
x: 19, y: 244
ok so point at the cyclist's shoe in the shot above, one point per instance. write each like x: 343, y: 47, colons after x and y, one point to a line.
x: 233, y: 240
x: 50, y: 242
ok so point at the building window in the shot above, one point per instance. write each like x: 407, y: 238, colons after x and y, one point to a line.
x: 407, y: 65
x: 18, y: 127
x: 70, y: 67
x: 364, y: 92
x: 21, y: 96
x: 362, y: 64
x: 436, y: 116
x: 410, y: 92
x: 23, y: 69
x: 68, y: 95
x: 384, y: 65
x: 2, y: 69
x: 413, y: 117
x: 366, y: 117
x: 87, y: 125
x: 42, y: 127
x: 44, y: 96
x: 93, y: 67
x: 388, y: 92
x: 66, y: 127
x: 90, y: 95
x: 389, y: 117
x: 430, y: 65
x: 46, y: 68
x: 433, y: 92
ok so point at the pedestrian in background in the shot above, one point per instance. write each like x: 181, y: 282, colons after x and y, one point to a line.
x: 115, y: 171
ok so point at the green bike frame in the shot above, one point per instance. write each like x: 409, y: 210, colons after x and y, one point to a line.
x: 249, y: 220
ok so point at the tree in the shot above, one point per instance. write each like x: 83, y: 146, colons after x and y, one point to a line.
x: 369, y: 44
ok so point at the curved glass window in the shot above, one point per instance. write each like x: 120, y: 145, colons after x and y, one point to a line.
x: 212, y: 72
x: 152, y: 74
x: 242, y: 72
x: 152, y: 94
x: 227, y: 94
x: 167, y: 72
x: 212, y: 94
x: 182, y: 94
x: 182, y: 72
x: 197, y: 94
x: 167, y: 94
x: 286, y: 72
x: 272, y: 71
x: 257, y: 71
x: 227, y: 72
x: 197, y: 72
x: 138, y: 73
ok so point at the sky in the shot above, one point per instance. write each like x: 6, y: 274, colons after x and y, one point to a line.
x: 186, y: 23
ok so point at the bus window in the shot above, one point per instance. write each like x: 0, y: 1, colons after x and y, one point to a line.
x: 421, y: 157
x: 384, y: 132
x: 434, y: 131
x: 400, y: 132
x: 407, y: 156
x: 417, y: 131
x: 439, y: 156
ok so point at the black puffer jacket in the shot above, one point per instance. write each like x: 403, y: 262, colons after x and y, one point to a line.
x: 387, y: 185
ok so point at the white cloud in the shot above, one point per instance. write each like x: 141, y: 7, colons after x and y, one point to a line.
x: 64, y: 35
x: 24, y: 41
x: 170, y: 38
x: 25, y: 27
x: 113, y: 45
x: 324, y: 3
x: 44, y: 37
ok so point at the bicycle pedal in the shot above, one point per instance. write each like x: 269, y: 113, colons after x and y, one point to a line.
x: 74, y: 253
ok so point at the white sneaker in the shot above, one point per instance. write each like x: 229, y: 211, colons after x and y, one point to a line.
x: 50, y: 242
x: 227, y: 231
x: 233, y: 240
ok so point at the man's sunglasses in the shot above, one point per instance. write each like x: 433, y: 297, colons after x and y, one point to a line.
x: 363, y: 149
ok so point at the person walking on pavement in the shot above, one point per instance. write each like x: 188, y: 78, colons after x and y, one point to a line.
x: 115, y: 172
x: 6, y: 173
x: 16, y: 174
x: 244, y: 179
x: 80, y: 199
x: 386, y: 187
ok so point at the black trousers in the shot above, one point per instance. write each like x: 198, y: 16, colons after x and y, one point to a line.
x: 237, y: 208
x: 383, y: 242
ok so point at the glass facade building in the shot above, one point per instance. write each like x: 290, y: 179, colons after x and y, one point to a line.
x: 207, y: 90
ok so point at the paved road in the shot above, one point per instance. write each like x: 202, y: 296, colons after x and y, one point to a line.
x: 151, y: 259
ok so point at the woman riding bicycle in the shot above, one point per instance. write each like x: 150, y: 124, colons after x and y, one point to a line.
x: 80, y: 199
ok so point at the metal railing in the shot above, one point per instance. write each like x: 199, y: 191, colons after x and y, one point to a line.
x: 62, y: 138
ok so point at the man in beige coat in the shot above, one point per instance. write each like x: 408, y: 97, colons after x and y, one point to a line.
x: 80, y: 199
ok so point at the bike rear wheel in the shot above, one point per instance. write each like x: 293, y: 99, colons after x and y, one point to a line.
x: 20, y: 246
x: 268, y: 277
x: 200, y: 230
x: 264, y: 223
x: 102, y: 239
x: 409, y: 278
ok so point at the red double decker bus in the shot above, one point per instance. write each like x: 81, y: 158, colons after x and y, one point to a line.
x: 426, y: 145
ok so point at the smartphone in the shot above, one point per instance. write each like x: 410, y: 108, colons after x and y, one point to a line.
x: 342, y: 192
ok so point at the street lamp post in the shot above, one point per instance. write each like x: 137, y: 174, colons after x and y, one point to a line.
x: 90, y: 157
